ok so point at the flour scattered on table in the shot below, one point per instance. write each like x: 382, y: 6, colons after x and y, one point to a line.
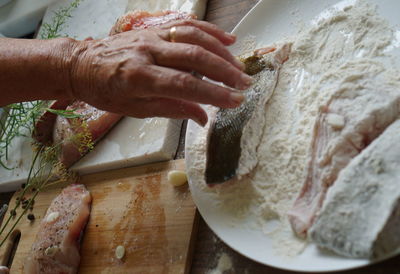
x: 340, y: 44
x: 224, y: 264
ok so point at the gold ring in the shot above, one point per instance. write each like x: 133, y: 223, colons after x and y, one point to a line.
x: 172, y: 34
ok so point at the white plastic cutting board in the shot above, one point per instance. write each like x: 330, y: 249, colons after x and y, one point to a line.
x: 132, y: 141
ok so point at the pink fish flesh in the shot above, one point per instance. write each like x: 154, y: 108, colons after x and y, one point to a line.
x: 43, y: 130
x: 93, y: 121
x: 347, y: 124
x: 56, y: 248
x: 143, y: 19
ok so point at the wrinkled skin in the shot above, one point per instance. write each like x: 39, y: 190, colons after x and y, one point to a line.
x: 142, y: 74
x: 135, y: 73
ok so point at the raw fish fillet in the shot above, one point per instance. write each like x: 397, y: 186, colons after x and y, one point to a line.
x: 142, y: 19
x: 56, y: 248
x: 43, y: 130
x: 69, y: 132
x: 235, y: 134
x: 360, y: 217
x: 347, y: 124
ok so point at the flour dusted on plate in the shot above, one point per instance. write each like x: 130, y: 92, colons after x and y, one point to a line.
x: 337, y: 48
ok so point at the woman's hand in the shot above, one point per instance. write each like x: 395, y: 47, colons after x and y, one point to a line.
x: 144, y: 74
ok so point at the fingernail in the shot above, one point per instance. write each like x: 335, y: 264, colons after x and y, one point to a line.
x: 236, y: 97
x: 231, y: 35
x: 245, y: 81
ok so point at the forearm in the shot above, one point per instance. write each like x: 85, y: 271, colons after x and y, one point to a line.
x: 34, y: 69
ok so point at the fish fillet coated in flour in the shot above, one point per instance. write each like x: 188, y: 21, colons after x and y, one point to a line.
x: 355, y: 115
x: 56, y: 248
x: 235, y: 134
x: 360, y: 217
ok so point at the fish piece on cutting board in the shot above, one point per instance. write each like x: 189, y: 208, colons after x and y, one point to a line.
x: 94, y: 122
x: 360, y: 217
x: 197, y: 7
x: 95, y: 18
x: 142, y: 19
x: 235, y: 134
x: 358, y: 112
x: 43, y: 130
x: 57, y: 244
x: 134, y: 207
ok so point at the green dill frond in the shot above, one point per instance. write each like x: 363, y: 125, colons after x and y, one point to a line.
x: 50, y: 153
x: 82, y: 138
x: 53, y: 29
x: 63, y: 174
x: 68, y: 113
x: 19, y: 120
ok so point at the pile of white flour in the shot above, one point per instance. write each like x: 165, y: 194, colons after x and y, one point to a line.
x: 335, y: 49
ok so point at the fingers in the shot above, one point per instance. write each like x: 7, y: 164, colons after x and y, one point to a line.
x: 169, y: 108
x: 226, y: 38
x: 190, y: 57
x: 176, y: 84
x: 195, y: 36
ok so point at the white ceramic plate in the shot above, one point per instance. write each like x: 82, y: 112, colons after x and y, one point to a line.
x: 270, y: 21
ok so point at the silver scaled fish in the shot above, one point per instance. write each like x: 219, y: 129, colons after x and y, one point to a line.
x: 235, y: 134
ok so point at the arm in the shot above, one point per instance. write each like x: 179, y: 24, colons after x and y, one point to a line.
x: 135, y: 73
x: 34, y: 69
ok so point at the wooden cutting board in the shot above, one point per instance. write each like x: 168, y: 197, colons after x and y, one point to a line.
x: 133, y: 207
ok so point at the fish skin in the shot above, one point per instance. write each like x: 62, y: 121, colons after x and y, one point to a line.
x: 235, y: 134
x: 361, y: 214
x: 367, y: 111
x: 73, y: 207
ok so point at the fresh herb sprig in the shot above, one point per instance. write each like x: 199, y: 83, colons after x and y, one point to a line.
x: 45, y: 167
x: 68, y: 113
x: 54, y: 28
x: 20, y: 119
